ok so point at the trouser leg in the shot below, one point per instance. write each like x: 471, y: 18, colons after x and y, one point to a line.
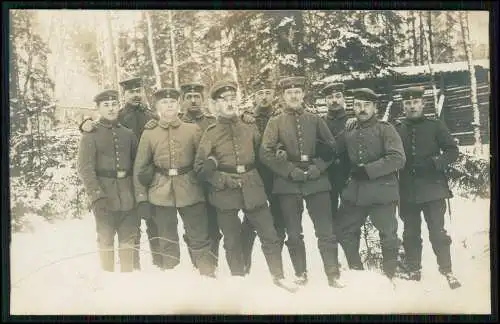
x: 105, y: 228
x: 350, y: 218
x: 383, y: 218
x: 127, y: 238
x: 319, y: 207
x: 248, y: 235
x: 153, y: 238
x: 292, y: 208
x: 412, y: 237
x: 262, y: 221
x: 166, y: 221
x: 195, y: 222
x: 440, y: 240
x: 230, y: 225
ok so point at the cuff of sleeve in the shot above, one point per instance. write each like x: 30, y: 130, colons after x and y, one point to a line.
x: 96, y: 195
x: 370, y: 171
x: 320, y: 164
x: 213, y: 159
x: 438, y: 164
x: 141, y: 198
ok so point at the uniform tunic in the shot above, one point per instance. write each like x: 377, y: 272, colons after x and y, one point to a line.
x: 108, y: 148
x: 169, y: 145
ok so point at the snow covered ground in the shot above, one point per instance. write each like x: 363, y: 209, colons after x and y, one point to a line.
x: 54, y: 270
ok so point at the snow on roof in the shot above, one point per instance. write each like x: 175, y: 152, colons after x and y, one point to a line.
x: 407, y: 70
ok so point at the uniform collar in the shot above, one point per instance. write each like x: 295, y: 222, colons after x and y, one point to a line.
x: 335, y: 114
x: 225, y: 120
x: 370, y: 122
x: 108, y: 123
x: 294, y: 112
x: 194, y: 116
x: 414, y: 121
x: 170, y: 123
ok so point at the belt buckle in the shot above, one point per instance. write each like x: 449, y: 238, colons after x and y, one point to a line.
x: 240, y: 169
x: 173, y: 172
x: 304, y: 158
x: 121, y: 174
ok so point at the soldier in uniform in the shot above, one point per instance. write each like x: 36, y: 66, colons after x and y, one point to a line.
x: 423, y: 186
x: 263, y: 111
x: 170, y: 145
x: 236, y: 185
x: 105, y: 159
x: 302, y: 177
x: 192, y: 95
x: 134, y: 115
x: 376, y: 154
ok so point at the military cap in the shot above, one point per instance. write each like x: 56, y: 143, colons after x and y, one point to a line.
x: 412, y: 93
x: 192, y: 87
x: 262, y: 84
x: 132, y: 83
x: 166, y: 93
x: 221, y: 87
x: 292, y: 82
x: 106, y: 95
x: 364, y: 94
x: 332, y: 87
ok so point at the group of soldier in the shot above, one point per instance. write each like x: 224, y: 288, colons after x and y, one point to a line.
x: 138, y: 163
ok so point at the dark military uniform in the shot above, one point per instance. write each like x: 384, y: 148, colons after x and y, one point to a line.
x: 298, y: 132
x: 203, y: 121
x: 171, y: 146
x: 105, y: 159
x: 248, y: 234
x: 424, y: 187
x: 376, y: 145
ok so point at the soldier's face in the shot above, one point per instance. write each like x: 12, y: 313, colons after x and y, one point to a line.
x: 335, y: 101
x: 167, y: 108
x: 364, y: 110
x: 293, y: 97
x: 193, y: 100
x: 264, y: 98
x: 227, y: 104
x: 108, y: 109
x: 133, y: 96
x: 414, y: 108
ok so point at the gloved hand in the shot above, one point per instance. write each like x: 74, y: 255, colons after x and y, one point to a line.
x: 248, y: 118
x: 281, y: 153
x: 101, y: 206
x: 313, y: 172
x: 209, y: 167
x: 232, y: 181
x: 87, y: 125
x: 146, y: 175
x: 351, y: 123
x: 298, y: 175
x: 359, y: 173
x: 144, y: 210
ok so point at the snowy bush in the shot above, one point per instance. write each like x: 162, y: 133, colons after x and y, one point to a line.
x: 53, y: 190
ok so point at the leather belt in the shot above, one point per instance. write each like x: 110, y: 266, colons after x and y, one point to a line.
x: 300, y: 158
x: 239, y: 168
x: 117, y: 174
x: 174, y: 172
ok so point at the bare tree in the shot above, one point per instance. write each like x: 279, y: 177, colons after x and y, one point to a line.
x: 464, y: 25
x: 151, y: 44
x: 111, y: 51
x: 173, y: 51
x: 427, y: 41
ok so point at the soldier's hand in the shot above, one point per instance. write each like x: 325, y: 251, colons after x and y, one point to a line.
x: 351, y: 123
x: 233, y: 181
x: 313, y: 172
x: 248, y: 118
x: 144, y: 210
x: 281, y: 153
x: 87, y: 125
x: 209, y: 166
x: 146, y: 175
x: 101, y: 206
x: 298, y: 175
x: 359, y: 173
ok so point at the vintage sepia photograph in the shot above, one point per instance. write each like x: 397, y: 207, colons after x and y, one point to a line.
x: 252, y: 162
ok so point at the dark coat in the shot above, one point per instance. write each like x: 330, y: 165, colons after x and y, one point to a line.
x: 108, y: 148
x: 425, y: 139
x: 377, y: 145
x: 135, y: 117
x: 232, y: 142
x: 298, y: 134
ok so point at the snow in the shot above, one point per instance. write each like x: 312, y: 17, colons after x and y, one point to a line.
x: 54, y: 270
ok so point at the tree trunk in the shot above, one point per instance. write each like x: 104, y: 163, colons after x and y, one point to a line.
x: 422, y: 36
x: 173, y: 50
x: 154, y: 61
x: 111, y: 51
x: 429, y: 28
x: 414, y: 38
x: 429, y: 64
x: 464, y: 24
